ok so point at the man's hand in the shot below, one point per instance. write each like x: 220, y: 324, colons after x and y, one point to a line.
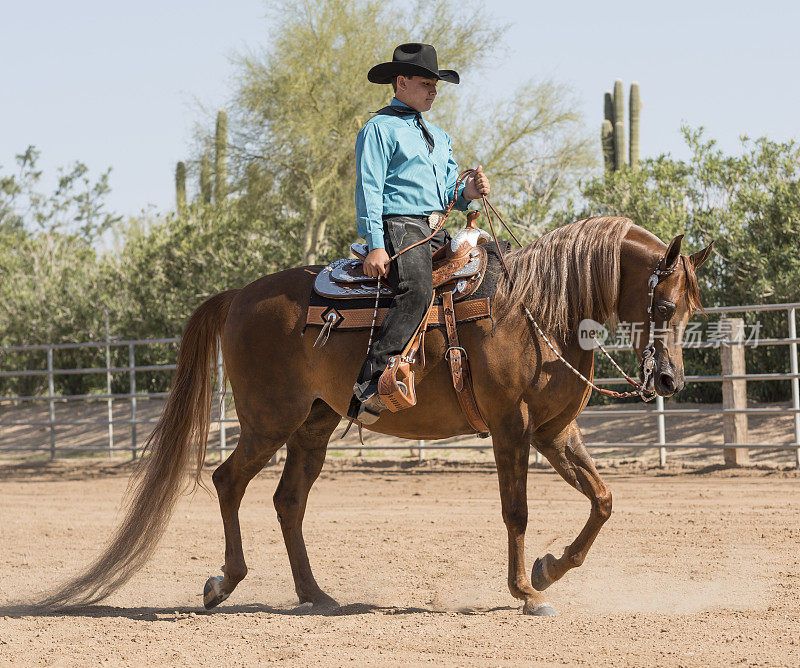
x: 477, y: 185
x: 377, y: 263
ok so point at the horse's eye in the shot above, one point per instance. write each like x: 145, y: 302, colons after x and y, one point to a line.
x: 665, y: 310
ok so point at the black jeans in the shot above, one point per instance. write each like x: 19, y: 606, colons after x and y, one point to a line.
x: 410, y: 277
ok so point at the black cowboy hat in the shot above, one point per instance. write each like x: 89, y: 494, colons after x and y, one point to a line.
x: 412, y: 60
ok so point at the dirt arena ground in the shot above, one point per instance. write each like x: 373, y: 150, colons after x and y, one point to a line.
x: 697, y: 566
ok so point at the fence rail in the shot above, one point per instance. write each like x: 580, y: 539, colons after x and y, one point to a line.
x: 221, y: 396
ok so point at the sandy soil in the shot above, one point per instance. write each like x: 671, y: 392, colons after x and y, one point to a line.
x: 695, y: 567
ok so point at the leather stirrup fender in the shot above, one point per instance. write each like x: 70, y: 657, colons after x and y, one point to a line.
x: 459, y: 369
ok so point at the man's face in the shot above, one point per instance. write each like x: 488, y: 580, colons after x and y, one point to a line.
x: 417, y: 92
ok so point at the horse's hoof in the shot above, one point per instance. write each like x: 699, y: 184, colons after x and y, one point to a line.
x: 320, y: 602
x: 212, y: 592
x: 539, y: 610
x: 540, y: 573
x: 325, y: 603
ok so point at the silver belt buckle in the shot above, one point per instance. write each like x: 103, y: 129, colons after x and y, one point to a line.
x: 435, y: 218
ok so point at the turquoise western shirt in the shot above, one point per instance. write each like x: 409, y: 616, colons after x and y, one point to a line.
x: 397, y: 175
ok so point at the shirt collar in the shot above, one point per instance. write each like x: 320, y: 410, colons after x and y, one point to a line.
x: 396, y: 103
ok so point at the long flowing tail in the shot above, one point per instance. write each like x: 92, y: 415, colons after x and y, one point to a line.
x: 178, y: 439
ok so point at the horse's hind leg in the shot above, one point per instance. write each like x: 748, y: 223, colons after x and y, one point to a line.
x: 231, y: 479
x: 304, y: 459
x: 568, y: 455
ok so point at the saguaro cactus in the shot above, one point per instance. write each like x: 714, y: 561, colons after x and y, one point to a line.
x: 608, y: 107
x: 620, y: 159
x: 612, y: 131
x: 205, y: 179
x: 180, y: 186
x: 607, y: 140
x: 635, y: 112
x: 221, y: 157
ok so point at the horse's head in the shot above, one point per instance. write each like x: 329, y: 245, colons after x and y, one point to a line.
x: 658, y: 294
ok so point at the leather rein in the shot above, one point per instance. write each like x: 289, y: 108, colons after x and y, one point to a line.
x: 648, y: 361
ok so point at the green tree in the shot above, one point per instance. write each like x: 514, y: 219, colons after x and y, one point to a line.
x: 51, y: 286
x: 535, y: 151
x: 76, y: 206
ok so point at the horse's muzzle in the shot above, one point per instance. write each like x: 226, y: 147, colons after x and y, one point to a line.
x: 666, y: 382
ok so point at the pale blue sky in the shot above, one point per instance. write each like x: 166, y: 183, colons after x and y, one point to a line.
x: 118, y: 84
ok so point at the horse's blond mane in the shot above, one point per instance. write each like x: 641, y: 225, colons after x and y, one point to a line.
x: 566, y: 275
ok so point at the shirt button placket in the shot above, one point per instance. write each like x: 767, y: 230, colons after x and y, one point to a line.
x: 439, y: 188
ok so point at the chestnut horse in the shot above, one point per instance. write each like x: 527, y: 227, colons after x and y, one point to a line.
x: 289, y: 392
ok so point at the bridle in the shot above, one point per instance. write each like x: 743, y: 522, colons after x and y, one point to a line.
x: 648, y: 362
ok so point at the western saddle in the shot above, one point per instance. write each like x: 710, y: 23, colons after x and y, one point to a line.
x: 458, y: 271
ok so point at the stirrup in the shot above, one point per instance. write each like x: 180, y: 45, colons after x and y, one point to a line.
x: 396, y: 385
x: 370, y: 409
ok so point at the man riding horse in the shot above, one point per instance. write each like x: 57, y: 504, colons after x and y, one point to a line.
x: 405, y: 178
x: 531, y: 374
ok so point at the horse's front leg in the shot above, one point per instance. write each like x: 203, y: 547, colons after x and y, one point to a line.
x: 567, y: 453
x: 511, y: 455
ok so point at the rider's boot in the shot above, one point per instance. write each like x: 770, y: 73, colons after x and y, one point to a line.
x: 366, y: 404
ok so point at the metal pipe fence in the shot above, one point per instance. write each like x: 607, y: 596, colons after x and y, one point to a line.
x: 223, y: 398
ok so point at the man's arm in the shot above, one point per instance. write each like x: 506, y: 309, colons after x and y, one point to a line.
x: 372, y: 160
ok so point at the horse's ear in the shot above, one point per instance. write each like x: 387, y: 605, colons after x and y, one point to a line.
x: 673, y: 251
x: 701, y: 256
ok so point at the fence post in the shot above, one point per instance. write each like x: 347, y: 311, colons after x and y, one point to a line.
x: 795, y: 384
x: 51, y: 393
x: 108, y: 388
x: 132, y: 391
x: 662, y: 432
x: 734, y: 392
x: 223, y: 437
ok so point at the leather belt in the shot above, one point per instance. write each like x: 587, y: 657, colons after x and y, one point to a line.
x: 433, y: 218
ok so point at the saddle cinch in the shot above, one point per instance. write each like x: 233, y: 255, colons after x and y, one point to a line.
x: 458, y: 271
